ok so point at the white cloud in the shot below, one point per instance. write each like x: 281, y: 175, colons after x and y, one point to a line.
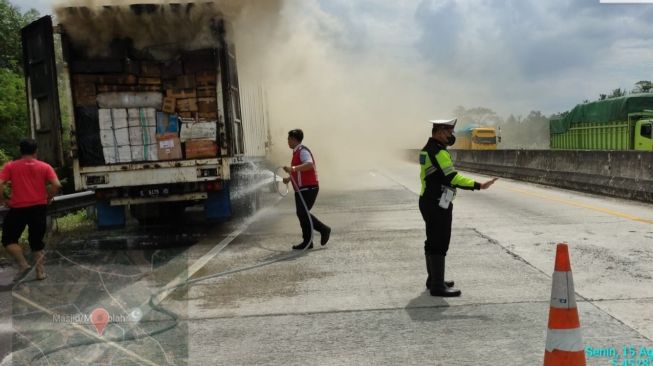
x: 511, y: 55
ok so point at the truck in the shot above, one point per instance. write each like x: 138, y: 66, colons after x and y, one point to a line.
x: 624, y: 123
x: 476, y: 138
x: 157, y: 124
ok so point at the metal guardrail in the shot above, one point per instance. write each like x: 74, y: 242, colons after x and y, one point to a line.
x: 62, y: 205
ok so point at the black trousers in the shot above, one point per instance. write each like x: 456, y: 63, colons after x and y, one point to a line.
x: 438, y: 226
x: 309, y: 195
x: 34, y: 217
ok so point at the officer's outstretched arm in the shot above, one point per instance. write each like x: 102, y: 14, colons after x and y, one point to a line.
x: 454, y: 178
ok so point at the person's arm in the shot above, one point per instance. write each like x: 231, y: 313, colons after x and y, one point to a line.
x: 53, y: 188
x: 54, y: 185
x: 5, y: 176
x: 3, y: 202
x: 299, y: 168
x: 456, y: 179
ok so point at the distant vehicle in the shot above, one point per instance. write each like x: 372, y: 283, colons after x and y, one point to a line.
x: 624, y: 123
x: 155, y: 127
x: 476, y: 138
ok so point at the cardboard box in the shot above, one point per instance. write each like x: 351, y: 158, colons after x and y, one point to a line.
x: 192, y: 130
x: 181, y: 93
x: 85, y: 101
x: 206, y: 78
x: 166, y: 123
x: 142, y: 135
x: 138, y: 117
x: 117, y: 137
x: 110, y: 79
x: 186, y: 82
x: 168, y: 147
x: 85, y: 89
x: 187, y: 115
x: 187, y: 105
x: 196, y: 149
x: 127, y: 88
x: 207, y: 105
x: 85, y: 95
x: 112, y: 118
x: 210, y: 115
x: 149, y: 81
x: 206, y: 92
x: 169, y: 105
x: 119, y: 154
x: 144, y: 152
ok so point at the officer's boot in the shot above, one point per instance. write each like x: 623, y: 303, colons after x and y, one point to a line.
x: 438, y: 287
x: 428, y: 279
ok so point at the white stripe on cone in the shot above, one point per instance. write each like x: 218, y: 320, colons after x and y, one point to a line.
x: 568, y: 340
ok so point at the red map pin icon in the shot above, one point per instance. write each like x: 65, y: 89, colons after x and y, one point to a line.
x: 100, y: 319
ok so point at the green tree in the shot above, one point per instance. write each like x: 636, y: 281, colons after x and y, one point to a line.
x: 616, y: 93
x: 480, y: 116
x: 11, y: 22
x: 13, y: 103
x: 643, y: 86
x: 13, y: 111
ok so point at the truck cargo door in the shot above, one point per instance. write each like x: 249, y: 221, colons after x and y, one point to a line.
x: 41, y: 87
x: 232, y: 101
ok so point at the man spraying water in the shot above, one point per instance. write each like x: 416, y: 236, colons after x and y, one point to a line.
x: 303, y: 175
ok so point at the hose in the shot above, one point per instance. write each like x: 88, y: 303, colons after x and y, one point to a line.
x: 175, y: 317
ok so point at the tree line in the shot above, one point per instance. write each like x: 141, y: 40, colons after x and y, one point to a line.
x: 13, y: 102
x: 530, y: 131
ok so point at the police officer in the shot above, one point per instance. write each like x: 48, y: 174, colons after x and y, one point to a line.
x: 439, y: 183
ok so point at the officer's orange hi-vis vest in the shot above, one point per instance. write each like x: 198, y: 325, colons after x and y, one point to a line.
x: 307, y: 178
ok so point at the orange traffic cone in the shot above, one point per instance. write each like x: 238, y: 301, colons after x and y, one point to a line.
x: 564, y: 343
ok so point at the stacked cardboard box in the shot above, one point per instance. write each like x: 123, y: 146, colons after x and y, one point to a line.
x: 141, y: 109
x: 114, y: 135
x: 142, y: 134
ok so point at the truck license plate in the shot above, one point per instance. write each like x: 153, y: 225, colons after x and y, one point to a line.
x: 154, y: 192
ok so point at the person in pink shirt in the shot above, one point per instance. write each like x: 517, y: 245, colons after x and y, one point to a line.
x: 33, y: 186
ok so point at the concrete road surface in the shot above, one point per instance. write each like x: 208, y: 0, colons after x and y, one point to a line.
x: 360, y: 300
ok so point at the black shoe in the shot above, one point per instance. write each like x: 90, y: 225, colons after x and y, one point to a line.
x: 439, y: 287
x: 325, y: 236
x: 302, y: 246
x: 446, y: 283
x: 445, y: 292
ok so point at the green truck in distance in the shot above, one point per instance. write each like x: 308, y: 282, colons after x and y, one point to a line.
x: 624, y: 123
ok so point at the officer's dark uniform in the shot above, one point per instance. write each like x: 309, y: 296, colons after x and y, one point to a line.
x: 437, y: 171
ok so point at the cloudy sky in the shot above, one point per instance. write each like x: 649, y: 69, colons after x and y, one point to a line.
x: 510, y: 55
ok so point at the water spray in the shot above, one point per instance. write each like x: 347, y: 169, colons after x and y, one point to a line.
x: 156, y: 297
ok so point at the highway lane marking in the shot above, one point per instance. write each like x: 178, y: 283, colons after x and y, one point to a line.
x: 184, y: 276
x: 582, y: 205
x: 550, y: 198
